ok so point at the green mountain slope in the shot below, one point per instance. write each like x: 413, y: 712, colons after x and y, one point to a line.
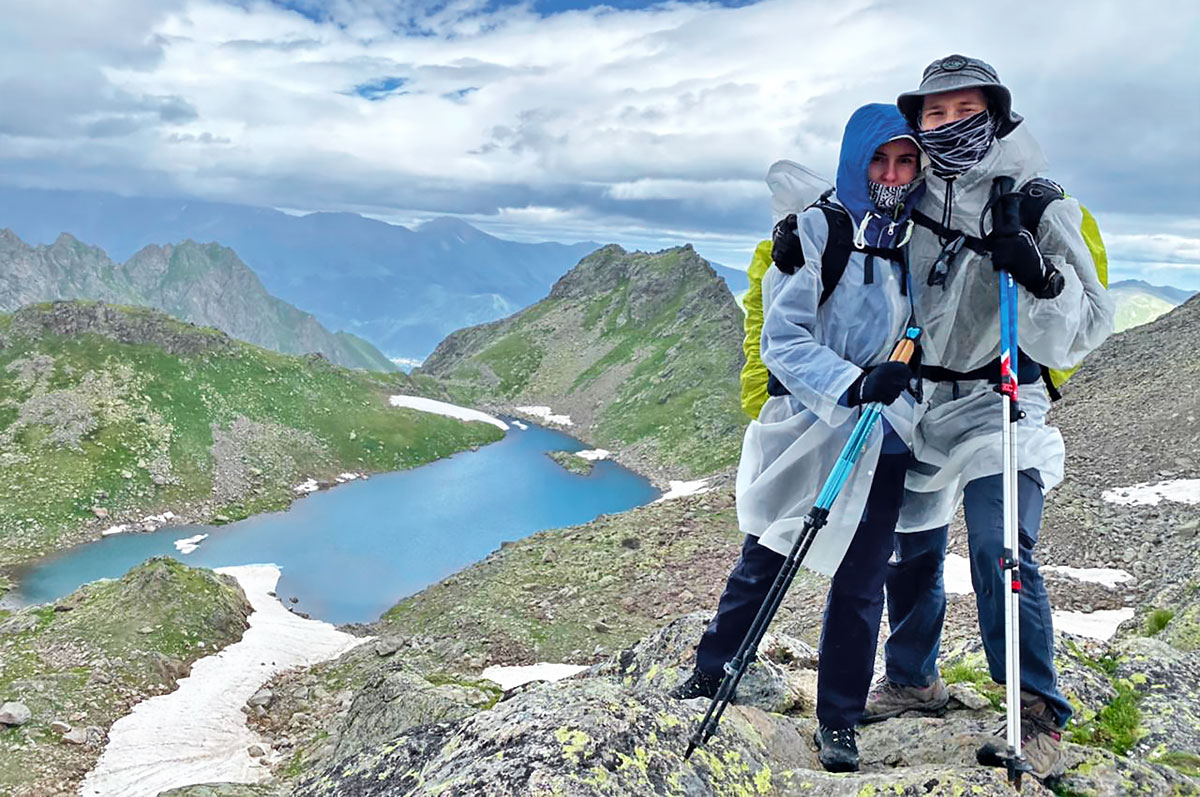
x: 109, y: 413
x: 642, y: 350
x: 203, y: 283
x: 1140, y: 303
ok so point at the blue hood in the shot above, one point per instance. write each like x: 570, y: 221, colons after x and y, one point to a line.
x: 870, y: 127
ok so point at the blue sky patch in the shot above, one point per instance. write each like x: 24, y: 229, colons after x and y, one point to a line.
x: 381, y: 88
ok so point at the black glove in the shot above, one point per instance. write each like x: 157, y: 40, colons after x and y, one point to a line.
x: 884, y: 382
x: 786, y: 250
x: 1019, y: 255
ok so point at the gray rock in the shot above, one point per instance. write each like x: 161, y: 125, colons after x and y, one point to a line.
x: 969, y: 697
x: 76, y: 736
x: 262, y: 697
x: 60, y: 727
x: 391, y: 703
x: 14, y: 713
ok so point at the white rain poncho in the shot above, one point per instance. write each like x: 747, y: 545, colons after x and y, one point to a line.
x: 816, y: 351
x: 790, y: 450
x: 958, y: 437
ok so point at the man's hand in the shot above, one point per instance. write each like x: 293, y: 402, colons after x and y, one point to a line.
x: 786, y: 250
x: 1018, y: 254
x: 884, y: 382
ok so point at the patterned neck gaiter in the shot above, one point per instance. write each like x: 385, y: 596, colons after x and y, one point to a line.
x: 958, y: 146
x: 888, y: 197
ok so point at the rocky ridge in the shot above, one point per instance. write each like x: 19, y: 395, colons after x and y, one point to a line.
x: 206, y: 284
x: 641, y: 350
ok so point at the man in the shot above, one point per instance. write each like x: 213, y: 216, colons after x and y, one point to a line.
x: 971, y: 135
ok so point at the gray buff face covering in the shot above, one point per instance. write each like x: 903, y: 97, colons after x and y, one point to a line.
x: 958, y: 146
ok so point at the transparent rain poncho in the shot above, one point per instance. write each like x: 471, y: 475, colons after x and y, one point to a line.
x: 958, y: 437
x: 816, y: 352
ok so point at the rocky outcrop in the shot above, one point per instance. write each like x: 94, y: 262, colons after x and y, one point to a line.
x: 613, y: 731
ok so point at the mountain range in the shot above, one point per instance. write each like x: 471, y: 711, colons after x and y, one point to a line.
x: 206, y: 284
x: 401, y: 289
x: 1139, y: 302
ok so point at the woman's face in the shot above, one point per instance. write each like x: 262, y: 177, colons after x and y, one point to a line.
x: 895, y: 163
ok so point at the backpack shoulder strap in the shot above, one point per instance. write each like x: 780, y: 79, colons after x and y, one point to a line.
x: 837, y: 248
x: 1036, y: 196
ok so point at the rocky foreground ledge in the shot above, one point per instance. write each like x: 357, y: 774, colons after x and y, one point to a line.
x: 612, y: 730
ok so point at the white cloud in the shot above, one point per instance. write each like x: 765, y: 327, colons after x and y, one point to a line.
x: 629, y: 125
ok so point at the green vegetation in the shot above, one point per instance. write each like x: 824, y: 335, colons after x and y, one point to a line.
x: 1117, y: 726
x: 1187, y: 763
x: 973, y: 670
x: 1158, y: 620
x: 556, y: 595
x: 95, y: 428
x: 572, y: 462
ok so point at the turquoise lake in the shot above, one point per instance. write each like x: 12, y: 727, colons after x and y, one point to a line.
x: 348, y: 554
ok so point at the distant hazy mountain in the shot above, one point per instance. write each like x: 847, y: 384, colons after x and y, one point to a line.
x: 403, y: 290
x: 737, y: 279
x: 203, y: 283
x: 1139, y: 302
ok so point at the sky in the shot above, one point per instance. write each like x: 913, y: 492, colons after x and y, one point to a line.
x: 645, y: 124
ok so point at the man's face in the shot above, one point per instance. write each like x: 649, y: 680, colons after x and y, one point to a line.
x: 950, y: 106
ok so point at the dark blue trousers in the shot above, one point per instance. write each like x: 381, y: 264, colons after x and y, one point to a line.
x: 916, y: 594
x: 853, y: 607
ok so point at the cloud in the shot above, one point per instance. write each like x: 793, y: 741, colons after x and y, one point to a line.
x: 608, y: 122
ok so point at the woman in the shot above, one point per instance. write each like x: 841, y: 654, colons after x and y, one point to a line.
x: 827, y: 356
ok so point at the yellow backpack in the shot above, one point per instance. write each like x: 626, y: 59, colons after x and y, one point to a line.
x: 1095, y: 245
x: 754, y: 373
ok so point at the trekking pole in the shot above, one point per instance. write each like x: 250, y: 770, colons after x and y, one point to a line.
x: 736, y: 667
x: 1006, y: 220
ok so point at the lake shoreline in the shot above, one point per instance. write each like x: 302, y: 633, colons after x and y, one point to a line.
x: 183, y: 519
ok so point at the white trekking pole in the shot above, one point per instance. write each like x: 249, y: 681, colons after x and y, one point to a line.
x: 1006, y: 219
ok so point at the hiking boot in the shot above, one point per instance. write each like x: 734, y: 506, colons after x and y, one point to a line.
x: 1041, y: 743
x: 889, y: 700
x: 837, y: 749
x: 698, y: 684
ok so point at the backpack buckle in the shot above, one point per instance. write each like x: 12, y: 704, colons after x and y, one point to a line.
x: 945, y: 261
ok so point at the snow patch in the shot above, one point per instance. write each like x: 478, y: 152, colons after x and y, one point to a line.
x: 957, y: 575
x: 1100, y: 624
x: 198, y: 733
x: 342, y: 478
x: 117, y: 529
x: 678, y: 489
x: 521, y: 426
x: 306, y: 487
x: 594, y: 454
x: 189, y: 544
x: 443, y: 408
x: 512, y: 677
x: 1183, y: 491
x: 1108, y: 576
x: 546, y: 415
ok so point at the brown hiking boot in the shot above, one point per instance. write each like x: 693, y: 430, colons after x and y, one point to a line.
x: 1041, y: 743
x: 889, y: 700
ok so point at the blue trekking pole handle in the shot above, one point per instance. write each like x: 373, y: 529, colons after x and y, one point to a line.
x: 901, y: 352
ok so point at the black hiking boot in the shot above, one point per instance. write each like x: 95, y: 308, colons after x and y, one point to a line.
x: 698, y: 684
x: 837, y: 749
